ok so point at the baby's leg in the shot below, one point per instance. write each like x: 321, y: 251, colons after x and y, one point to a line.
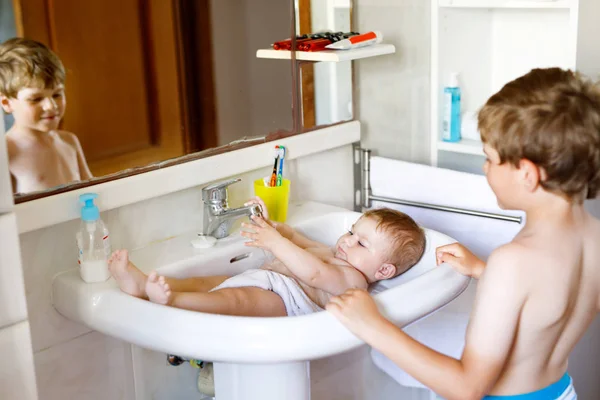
x: 242, y: 301
x: 133, y: 281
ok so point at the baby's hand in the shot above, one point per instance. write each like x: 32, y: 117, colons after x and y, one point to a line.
x: 461, y: 259
x: 263, y: 235
x: 265, y: 212
x: 357, y: 310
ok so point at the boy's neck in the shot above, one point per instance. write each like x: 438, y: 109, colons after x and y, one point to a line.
x: 554, y: 210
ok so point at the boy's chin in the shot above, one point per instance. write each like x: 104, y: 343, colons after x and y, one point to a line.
x: 47, y: 126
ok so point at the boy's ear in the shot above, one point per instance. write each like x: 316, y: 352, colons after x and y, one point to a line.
x: 5, y: 104
x: 386, y: 271
x: 531, y: 175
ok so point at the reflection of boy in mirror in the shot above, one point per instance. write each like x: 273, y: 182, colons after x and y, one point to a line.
x: 32, y: 81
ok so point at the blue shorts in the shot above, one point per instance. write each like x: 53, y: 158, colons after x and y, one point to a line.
x: 561, y: 390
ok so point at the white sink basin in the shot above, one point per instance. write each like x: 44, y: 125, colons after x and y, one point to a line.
x: 264, y: 349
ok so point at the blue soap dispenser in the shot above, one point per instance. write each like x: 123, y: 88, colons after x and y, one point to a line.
x: 93, y: 242
x: 451, y: 117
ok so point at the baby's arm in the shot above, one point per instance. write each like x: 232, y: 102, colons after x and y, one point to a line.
x: 306, y: 266
x: 296, y: 237
x: 285, y: 230
x: 490, y: 335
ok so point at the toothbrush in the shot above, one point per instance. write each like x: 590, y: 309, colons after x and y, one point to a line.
x: 274, y: 174
x: 281, y: 155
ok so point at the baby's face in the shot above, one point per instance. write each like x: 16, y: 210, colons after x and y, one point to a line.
x: 364, y: 247
x: 37, y: 109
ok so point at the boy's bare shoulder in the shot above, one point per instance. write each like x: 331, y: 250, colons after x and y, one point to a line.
x: 68, y: 137
x: 511, y: 260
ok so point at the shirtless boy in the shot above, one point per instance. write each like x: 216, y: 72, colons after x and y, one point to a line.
x: 538, y: 294
x: 32, y: 82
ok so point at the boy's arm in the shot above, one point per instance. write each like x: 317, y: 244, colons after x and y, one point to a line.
x: 306, y: 266
x: 13, y: 181
x: 84, y: 170
x: 11, y: 150
x: 490, y: 335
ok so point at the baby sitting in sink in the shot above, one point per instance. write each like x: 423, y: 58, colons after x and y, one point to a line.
x: 303, y: 275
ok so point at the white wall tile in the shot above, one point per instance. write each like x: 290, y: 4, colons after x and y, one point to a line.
x: 91, y: 367
x: 17, y: 376
x: 12, y: 291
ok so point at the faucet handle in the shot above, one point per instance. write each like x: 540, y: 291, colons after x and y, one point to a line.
x: 217, y: 191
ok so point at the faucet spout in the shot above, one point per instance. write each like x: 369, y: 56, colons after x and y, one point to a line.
x: 217, y: 222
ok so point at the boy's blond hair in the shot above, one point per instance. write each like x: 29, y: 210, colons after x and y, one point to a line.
x: 407, y: 239
x: 27, y: 63
x: 552, y: 118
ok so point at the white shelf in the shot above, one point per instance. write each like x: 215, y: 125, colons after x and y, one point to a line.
x: 329, y: 55
x: 465, y: 146
x: 540, y: 4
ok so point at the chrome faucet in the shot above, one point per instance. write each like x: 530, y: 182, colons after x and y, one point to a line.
x: 218, y: 217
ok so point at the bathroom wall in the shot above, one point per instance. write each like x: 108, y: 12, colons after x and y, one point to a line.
x: 73, y: 362
x: 392, y: 92
x: 247, y: 101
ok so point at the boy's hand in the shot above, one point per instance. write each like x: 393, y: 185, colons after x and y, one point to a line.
x: 357, y: 310
x: 461, y: 259
x: 261, y: 233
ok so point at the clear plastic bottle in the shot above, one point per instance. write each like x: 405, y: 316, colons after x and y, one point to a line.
x: 451, y: 121
x: 93, y: 242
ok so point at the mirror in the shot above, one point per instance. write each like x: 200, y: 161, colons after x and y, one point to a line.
x: 326, y: 88
x: 153, y: 80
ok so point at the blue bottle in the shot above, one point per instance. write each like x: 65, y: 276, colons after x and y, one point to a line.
x: 451, y: 120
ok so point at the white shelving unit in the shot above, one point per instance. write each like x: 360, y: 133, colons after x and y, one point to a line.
x: 491, y: 42
x: 329, y: 55
x: 465, y: 146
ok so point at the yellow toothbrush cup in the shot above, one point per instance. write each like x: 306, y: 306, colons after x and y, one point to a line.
x: 276, y: 198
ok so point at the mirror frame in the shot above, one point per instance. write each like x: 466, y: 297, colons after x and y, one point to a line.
x: 297, y: 128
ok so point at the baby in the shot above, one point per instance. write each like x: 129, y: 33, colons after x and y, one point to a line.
x: 300, y: 280
x: 32, y: 81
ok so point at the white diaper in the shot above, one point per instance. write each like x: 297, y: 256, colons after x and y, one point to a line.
x: 296, y: 301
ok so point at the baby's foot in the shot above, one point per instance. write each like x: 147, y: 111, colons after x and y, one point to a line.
x: 158, y: 289
x: 130, y: 279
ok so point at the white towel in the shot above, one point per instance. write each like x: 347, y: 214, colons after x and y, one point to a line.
x: 445, y: 330
x: 442, y: 331
x: 421, y: 183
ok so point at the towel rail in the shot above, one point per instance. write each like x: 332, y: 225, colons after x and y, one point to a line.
x: 364, y: 197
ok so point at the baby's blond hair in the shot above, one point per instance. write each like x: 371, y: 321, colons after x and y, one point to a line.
x: 27, y: 63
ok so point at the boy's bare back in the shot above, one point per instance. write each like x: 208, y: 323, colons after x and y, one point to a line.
x: 45, y: 161
x: 557, y: 271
